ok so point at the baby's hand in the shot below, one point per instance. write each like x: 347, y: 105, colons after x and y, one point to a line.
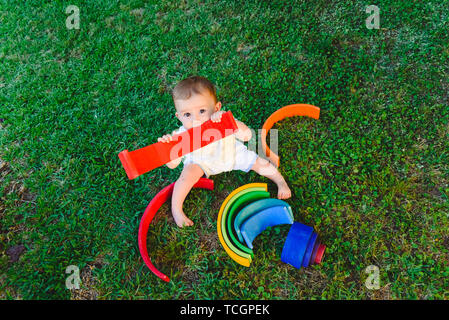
x: 216, y: 117
x: 165, y: 138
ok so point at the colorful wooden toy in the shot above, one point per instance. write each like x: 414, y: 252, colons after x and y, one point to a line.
x: 142, y: 160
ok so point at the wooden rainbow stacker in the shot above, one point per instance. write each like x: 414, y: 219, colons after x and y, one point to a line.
x: 153, y: 156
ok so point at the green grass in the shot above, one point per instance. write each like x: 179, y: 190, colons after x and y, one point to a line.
x: 371, y: 175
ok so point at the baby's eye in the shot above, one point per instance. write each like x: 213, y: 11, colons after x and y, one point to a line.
x: 187, y: 114
x: 202, y: 110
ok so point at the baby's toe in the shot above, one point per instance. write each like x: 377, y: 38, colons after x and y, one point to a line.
x: 187, y: 223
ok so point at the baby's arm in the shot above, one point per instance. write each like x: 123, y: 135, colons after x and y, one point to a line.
x: 167, y: 138
x: 243, y: 133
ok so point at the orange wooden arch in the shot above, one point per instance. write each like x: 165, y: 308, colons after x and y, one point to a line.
x: 291, y: 110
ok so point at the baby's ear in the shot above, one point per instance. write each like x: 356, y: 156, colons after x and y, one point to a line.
x: 218, y: 106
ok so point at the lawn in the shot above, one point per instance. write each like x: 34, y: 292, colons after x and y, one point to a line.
x: 371, y: 175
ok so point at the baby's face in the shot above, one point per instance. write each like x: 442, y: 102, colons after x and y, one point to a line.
x: 196, y: 110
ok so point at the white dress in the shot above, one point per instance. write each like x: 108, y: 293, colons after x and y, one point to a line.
x: 224, y: 155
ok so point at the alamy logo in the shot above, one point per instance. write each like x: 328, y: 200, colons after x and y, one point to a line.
x: 372, y: 282
x: 73, y: 20
x: 72, y: 281
x: 373, y: 21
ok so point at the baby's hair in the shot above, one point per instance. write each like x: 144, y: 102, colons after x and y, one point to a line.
x: 193, y: 85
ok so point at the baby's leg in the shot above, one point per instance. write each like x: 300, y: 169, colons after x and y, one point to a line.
x: 266, y: 169
x: 190, y: 175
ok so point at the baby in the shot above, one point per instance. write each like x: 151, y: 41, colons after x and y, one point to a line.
x: 195, y: 103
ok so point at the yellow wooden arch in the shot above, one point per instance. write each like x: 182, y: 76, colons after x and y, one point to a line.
x: 244, y: 261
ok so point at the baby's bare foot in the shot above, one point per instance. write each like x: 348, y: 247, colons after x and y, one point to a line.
x: 284, y: 191
x: 181, y: 219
